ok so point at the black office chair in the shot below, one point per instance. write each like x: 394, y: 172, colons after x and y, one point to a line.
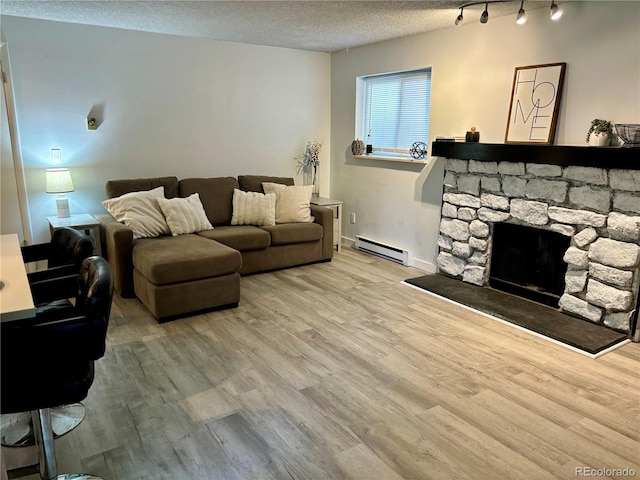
x: 51, y: 288
x: 64, y: 255
x: 48, y: 360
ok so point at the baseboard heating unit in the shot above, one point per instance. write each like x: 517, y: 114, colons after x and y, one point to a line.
x: 394, y: 254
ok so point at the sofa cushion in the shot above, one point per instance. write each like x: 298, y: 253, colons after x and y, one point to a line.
x: 253, y: 183
x: 168, y: 260
x: 294, y: 233
x: 216, y: 195
x: 184, y: 215
x: 292, y: 202
x: 140, y: 212
x: 117, y: 188
x: 253, y: 208
x: 240, y: 237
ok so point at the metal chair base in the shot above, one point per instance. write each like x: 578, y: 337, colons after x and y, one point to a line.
x: 33, y: 470
x: 17, y: 428
x: 46, y: 465
x: 78, y: 476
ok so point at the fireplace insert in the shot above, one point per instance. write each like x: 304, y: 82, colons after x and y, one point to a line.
x: 528, y: 262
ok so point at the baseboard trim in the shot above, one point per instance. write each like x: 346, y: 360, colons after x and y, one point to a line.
x: 422, y: 265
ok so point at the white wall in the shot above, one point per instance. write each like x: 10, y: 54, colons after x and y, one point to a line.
x: 473, y: 68
x: 166, y: 105
x: 10, y: 220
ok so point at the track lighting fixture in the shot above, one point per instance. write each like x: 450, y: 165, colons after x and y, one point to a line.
x: 555, y: 12
x: 484, y: 18
x: 522, y: 15
x: 460, y: 18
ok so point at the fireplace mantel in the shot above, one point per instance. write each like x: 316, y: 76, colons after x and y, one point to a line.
x: 563, y: 155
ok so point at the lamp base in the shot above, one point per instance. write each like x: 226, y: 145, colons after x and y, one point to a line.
x: 62, y: 206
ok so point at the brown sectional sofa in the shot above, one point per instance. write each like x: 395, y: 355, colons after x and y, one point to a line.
x: 178, y: 275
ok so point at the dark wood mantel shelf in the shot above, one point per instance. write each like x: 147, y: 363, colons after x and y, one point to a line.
x: 563, y: 155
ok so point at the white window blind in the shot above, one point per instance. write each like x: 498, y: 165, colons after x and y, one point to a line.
x: 396, y: 110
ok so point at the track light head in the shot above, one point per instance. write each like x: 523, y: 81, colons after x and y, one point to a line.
x: 484, y: 18
x: 555, y: 12
x: 522, y: 15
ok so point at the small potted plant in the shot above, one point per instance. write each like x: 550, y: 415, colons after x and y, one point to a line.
x: 600, y: 133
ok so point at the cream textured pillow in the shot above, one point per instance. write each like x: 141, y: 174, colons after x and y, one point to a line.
x: 252, y: 208
x: 292, y: 202
x: 140, y: 212
x: 185, y: 215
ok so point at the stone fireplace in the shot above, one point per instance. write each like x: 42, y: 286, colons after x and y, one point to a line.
x: 593, y: 203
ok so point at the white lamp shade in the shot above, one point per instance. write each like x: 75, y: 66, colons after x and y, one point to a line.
x: 58, y: 180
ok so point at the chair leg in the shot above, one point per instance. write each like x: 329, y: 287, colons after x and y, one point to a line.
x: 44, y: 442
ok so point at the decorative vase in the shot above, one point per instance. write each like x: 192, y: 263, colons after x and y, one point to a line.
x: 316, y: 182
x: 310, y: 177
x: 307, y: 175
x: 599, y: 139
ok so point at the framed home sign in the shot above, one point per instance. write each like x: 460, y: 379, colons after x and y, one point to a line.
x: 535, y: 101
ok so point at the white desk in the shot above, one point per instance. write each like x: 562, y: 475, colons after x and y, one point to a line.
x: 15, y: 294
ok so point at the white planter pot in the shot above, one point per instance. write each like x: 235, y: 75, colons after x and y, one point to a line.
x: 599, y: 139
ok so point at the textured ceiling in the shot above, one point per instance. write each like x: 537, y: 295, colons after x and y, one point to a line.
x: 324, y: 26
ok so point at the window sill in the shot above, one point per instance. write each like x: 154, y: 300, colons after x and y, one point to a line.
x: 384, y: 158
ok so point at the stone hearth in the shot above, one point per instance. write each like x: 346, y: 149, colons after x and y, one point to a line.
x: 598, y: 208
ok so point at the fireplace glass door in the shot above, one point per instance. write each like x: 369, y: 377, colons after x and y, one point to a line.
x: 527, y: 261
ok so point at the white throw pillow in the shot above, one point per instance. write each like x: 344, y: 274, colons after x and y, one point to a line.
x: 292, y: 202
x: 140, y: 212
x: 252, y: 208
x: 185, y: 215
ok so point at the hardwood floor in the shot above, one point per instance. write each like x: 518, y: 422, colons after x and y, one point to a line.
x: 337, y: 371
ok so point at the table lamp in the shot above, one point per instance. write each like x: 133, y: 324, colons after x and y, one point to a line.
x: 58, y: 180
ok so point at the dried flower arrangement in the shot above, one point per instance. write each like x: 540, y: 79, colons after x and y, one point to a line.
x: 310, y: 157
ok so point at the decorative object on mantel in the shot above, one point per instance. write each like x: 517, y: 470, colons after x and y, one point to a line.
x: 535, y: 102
x: 357, y: 147
x: 472, y: 136
x: 629, y: 133
x: 418, y: 150
x: 308, y: 162
x: 600, y: 132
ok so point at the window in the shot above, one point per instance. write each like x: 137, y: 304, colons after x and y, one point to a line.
x: 394, y: 110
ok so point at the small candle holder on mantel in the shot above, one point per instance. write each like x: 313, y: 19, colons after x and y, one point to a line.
x: 472, y: 135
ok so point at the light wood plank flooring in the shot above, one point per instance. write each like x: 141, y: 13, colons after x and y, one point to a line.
x: 337, y: 371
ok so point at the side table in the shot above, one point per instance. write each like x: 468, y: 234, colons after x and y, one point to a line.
x: 81, y: 221
x: 336, y: 206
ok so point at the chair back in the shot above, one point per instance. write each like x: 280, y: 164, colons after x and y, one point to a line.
x: 69, y: 246
x: 49, y: 360
x: 95, y: 288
